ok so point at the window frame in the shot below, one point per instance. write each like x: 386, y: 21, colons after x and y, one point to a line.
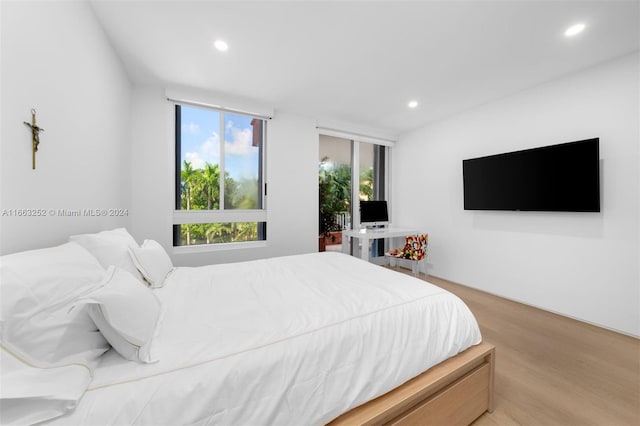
x: 221, y: 215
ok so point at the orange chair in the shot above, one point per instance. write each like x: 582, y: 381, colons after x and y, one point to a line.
x: 414, y: 250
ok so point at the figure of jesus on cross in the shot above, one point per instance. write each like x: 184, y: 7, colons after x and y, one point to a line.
x: 35, y: 137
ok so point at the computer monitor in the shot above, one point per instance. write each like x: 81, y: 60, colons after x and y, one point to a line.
x: 374, y: 214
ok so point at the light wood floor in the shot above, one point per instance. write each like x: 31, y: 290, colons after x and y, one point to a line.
x: 553, y: 370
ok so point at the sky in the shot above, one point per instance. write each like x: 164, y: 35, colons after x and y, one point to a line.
x: 201, y: 135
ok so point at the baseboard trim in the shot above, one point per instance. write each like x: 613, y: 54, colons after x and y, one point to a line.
x: 535, y: 306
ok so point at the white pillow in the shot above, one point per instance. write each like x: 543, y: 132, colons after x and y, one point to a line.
x: 127, y: 313
x: 49, y: 349
x: 110, y: 248
x: 153, y: 262
x: 38, y: 288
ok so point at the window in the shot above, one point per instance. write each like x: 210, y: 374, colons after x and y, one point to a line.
x: 220, y: 188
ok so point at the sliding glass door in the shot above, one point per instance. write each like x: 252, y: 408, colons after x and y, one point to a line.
x: 372, y: 181
x: 335, y: 191
x: 347, y: 170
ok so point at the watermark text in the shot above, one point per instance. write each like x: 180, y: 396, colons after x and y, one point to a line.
x: 62, y: 212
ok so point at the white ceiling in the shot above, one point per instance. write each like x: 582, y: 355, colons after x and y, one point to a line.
x: 362, y: 61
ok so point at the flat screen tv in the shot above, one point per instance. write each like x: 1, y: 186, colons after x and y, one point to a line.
x: 564, y: 177
x: 373, y: 213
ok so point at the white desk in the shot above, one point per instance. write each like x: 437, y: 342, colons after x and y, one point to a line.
x: 372, y: 234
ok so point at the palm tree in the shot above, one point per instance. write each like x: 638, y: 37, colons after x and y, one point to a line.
x: 188, y: 177
x: 211, y: 183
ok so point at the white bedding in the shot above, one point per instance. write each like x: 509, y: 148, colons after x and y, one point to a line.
x: 291, y: 340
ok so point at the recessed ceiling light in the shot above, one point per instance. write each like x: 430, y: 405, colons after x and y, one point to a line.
x: 221, y: 45
x: 413, y: 104
x: 574, y: 30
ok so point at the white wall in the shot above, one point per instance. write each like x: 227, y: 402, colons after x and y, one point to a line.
x: 56, y: 59
x: 292, y: 202
x: 103, y: 148
x: 583, y: 265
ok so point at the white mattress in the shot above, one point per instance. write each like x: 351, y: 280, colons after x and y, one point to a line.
x: 289, y: 341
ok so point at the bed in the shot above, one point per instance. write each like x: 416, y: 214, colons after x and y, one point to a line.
x: 307, y: 339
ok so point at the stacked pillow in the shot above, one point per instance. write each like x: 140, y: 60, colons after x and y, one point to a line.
x: 150, y: 263
x: 153, y: 262
x: 39, y: 289
x: 126, y: 313
x: 110, y: 248
x: 61, y: 310
x: 49, y: 348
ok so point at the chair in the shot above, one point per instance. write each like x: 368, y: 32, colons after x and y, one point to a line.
x: 414, y: 250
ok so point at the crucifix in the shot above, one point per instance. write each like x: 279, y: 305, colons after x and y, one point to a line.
x: 35, y: 137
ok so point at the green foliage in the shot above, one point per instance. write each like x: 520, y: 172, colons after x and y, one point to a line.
x: 334, y: 188
x: 334, y: 185
x: 366, y: 183
x: 213, y: 233
x: 200, y: 190
x: 245, y: 194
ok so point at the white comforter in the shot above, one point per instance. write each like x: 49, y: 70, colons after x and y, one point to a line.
x: 290, y: 341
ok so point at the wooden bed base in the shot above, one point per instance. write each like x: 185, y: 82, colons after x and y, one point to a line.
x: 455, y: 392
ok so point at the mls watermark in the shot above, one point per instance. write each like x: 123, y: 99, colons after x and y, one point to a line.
x: 84, y: 212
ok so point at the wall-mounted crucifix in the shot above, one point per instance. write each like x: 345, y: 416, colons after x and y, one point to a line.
x: 35, y: 137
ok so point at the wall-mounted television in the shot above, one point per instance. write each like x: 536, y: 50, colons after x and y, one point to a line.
x: 374, y: 213
x: 563, y: 177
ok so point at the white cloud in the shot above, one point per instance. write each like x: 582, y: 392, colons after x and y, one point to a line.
x: 191, y: 128
x: 240, y: 143
x: 208, y: 151
x: 240, y: 160
x: 194, y: 158
x: 211, y: 147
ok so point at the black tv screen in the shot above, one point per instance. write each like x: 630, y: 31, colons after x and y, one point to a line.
x: 374, y: 213
x: 564, y: 177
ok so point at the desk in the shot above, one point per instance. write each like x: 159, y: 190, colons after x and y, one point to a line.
x: 372, y: 234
